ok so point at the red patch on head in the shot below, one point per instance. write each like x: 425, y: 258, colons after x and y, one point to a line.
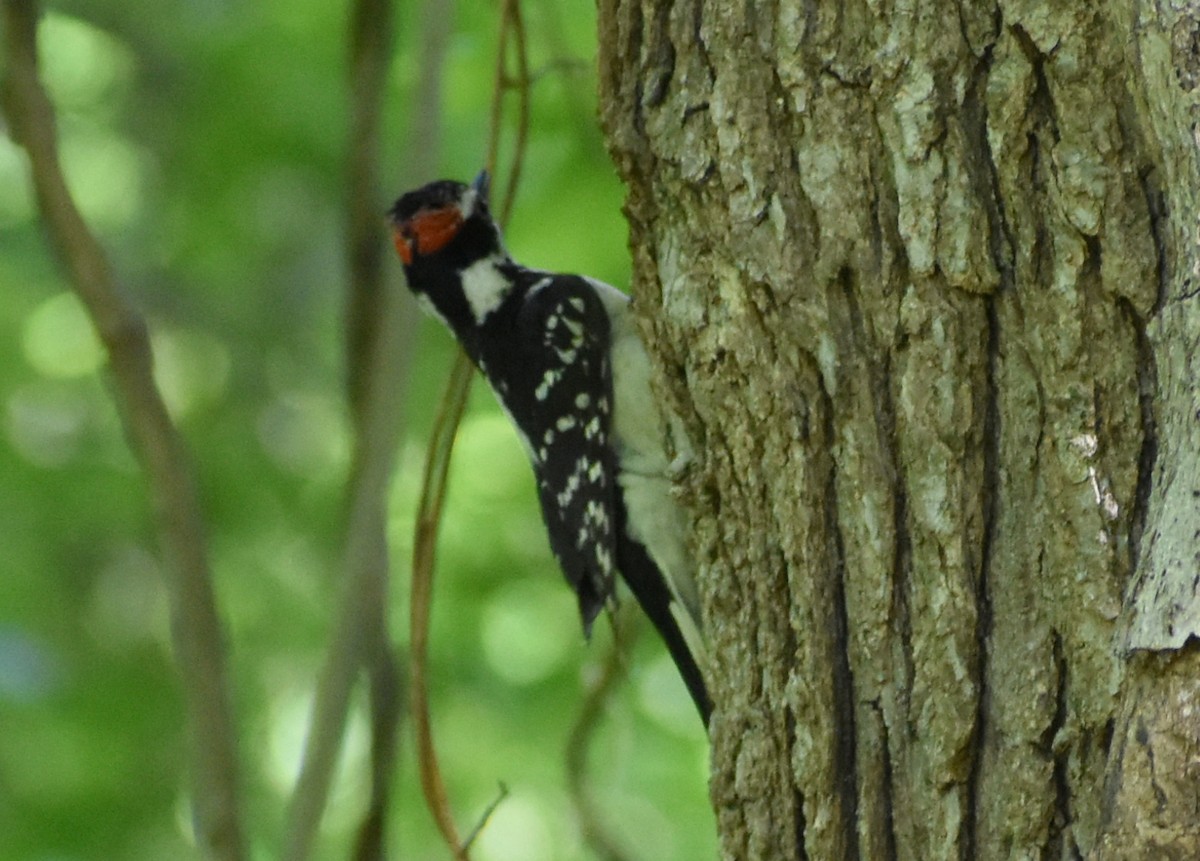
x: 426, y: 232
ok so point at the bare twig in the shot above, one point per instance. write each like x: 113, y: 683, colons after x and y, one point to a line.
x: 195, y: 627
x: 501, y: 794
x: 595, y: 834
x: 442, y: 443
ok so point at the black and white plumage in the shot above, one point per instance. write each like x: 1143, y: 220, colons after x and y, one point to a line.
x: 563, y: 356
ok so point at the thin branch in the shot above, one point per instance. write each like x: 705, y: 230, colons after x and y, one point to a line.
x: 441, y: 445
x: 378, y: 359
x: 387, y: 701
x: 371, y: 43
x: 363, y: 554
x: 195, y: 627
x: 422, y: 150
x: 595, y: 834
x: 380, y: 329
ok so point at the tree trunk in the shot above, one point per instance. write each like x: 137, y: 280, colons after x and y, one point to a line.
x: 919, y: 281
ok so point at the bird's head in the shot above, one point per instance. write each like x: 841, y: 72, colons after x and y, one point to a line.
x: 445, y: 221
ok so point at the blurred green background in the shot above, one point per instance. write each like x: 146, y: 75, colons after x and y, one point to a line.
x: 205, y: 142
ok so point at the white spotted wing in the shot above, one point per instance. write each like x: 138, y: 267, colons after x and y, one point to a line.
x: 572, y: 401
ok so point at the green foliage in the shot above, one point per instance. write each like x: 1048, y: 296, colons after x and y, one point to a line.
x: 205, y: 143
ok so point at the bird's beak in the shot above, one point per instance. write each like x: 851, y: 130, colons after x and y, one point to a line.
x: 483, y: 185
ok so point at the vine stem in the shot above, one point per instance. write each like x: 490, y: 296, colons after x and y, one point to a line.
x: 433, y: 491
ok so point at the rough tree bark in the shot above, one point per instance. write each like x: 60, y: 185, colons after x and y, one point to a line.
x: 922, y: 280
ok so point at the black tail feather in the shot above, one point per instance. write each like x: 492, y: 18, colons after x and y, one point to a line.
x: 651, y: 592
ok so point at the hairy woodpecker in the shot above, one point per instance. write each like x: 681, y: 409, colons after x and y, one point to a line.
x: 565, y: 361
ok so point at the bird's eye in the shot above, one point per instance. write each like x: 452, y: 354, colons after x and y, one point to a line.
x: 402, y: 239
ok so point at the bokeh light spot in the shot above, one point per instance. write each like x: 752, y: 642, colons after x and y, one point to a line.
x: 518, y: 830
x: 191, y: 369
x: 45, y: 423
x: 128, y: 600
x: 528, y: 630
x: 16, y: 204
x: 28, y: 671
x: 105, y: 174
x: 663, y: 695
x: 59, y: 341
x: 305, y: 433
x: 81, y: 64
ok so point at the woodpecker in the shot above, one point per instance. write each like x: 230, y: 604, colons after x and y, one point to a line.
x: 564, y: 359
